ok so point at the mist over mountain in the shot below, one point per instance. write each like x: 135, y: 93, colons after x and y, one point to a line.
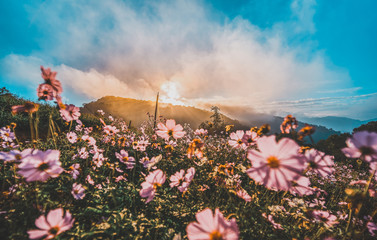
x: 243, y: 118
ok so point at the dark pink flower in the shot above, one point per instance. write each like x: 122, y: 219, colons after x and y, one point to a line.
x: 53, y: 225
x: 211, y: 227
x: 50, y: 79
x: 45, y: 92
x: 276, y: 164
x: 70, y: 112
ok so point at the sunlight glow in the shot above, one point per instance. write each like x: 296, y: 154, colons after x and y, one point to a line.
x: 170, y: 93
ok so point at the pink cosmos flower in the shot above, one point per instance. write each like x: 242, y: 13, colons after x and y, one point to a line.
x: 236, y: 139
x: 210, y: 227
x: 15, y: 155
x: 372, y: 228
x: 72, y: 137
x: 362, y: 145
x: 89, y: 140
x: 40, y: 166
x: 271, y: 220
x: 301, y: 186
x: 276, y: 164
x: 45, y: 92
x: 50, y: 79
x: 177, y: 178
x: 182, y: 181
x: 110, y: 130
x: 89, y: 180
x: 7, y: 135
x: 170, y: 130
x: 319, y: 162
x: 244, y: 195
x: 74, y: 170
x: 152, y: 181
x: 53, y: 225
x: 201, y: 132
x: 325, y: 217
x: 78, y: 191
x: 70, y: 113
x: 124, y: 158
x: 249, y: 138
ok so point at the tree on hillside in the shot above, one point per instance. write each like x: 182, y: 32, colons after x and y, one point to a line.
x: 370, y: 127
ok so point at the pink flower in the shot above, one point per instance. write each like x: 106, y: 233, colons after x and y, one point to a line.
x: 177, y: 178
x: 53, y: 225
x: 152, y: 181
x: 89, y: 140
x: 110, y: 130
x: 70, y: 112
x: 236, y: 139
x: 362, y: 145
x: 15, y: 155
x: 182, y: 181
x: 249, y: 138
x: 276, y: 164
x: 124, y: 158
x: 41, y: 165
x: 78, y: 191
x: 372, y: 228
x: 170, y: 130
x: 210, y: 227
x: 74, y: 170
x: 271, y: 220
x: 325, y: 217
x: 319, y: 162
x: 45, y: 92
x: 72, y: 137
x: 201, y: 132
x: 89, y: 180
x: 244, y: 195
x: 300, y: 186
x: 50, y: 79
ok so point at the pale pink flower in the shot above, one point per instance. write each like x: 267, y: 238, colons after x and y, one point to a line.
x: 40, y: 166
x: 15, y: 155
x: 325, y: 217
x: 190, y: 174
x: 236, y: 139
x: 83, y: 154
x: 72, y: 137
x: 201, y: 132
x: 271, y: 220
x: 250, y: 138
x: 170, y: 130
x: 120, y: 178
x: 182, y: 181
x: 70, y: 113
x: 74, y: 170
x: 362, y: 145
x: 152, y: 181
x: 301, y: 186
x: 53, y: 225
x: 177, y: 178
x: 89, y: 140
x: 210, y: 227
x: 319, y: 162
x: 101, y: 112
x: 7, y: 135
x: 78, y: 191
x: 50, y: 79
x: 110, y: 130
x: 244, y: 195
x: 276, y: 164
x: 89, y: 180
x: 45, y: 92
x: 372, y: 228
x: 124, y: 158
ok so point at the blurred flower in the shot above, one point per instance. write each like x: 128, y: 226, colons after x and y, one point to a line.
x: 28, y: 107
x: 89, y: 140
x: 201, y: 132
x: 276, y: 164
x: 306, y: 131
x: 124, y: 158
x: 362, y: 145
x: 110, y: 130
x: 7, y: 135
x: 300, y: 186
x: 53, y: 225
x: 249, y: 138
x: 41, y: 165
x: 78, y: 191
x: 319, y: 162
x: 229, y: 128
x: 264, y: 129
x: 289, y: 123
x: 152, y: 181
x: 211, y: 227
x: 70, y: 113
x: 170, y: 130
x: 236, y: 139
x: 244, y: 195
x: 45, y: 92
x: 72, y: 137
x: 50, y: 79
x: 271, y: 220
x: 372, y: 228
x: 15, y: 155
x: 177, y: 178
x: 89, y: 180
x: 325, y: 217
x: 195, y: 148
x: 74, y: 170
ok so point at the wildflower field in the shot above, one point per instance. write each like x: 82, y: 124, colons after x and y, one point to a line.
x: 67, y: 175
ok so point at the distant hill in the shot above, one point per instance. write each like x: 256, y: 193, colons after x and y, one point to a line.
x: 136, y: 111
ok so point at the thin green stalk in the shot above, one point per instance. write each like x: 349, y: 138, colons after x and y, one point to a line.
x: 31, y: 126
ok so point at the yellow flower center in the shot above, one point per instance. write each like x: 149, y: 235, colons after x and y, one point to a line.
x: 125, y: 159
x: 42, y: 167
x: 216, y: 235
x: 18, y: 157
x: 170, y: 133
x: 273, y: 162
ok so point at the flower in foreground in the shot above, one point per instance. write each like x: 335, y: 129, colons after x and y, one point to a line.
x: 28, y: 107
x: 276, y: 164
x: 152, y: 181
x: 212, y: 227
x: 45, y: 92
x: 236, y: 139
x: 15, y: 155
x: 53, y: 225
x: 170, y: 130
x: 41, y: 165
x: 362, y: 145
x: 70, y: 112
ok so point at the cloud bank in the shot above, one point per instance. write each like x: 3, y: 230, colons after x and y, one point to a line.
x: 133, y: 50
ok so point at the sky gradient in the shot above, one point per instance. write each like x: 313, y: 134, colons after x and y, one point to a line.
x: 306, y: 57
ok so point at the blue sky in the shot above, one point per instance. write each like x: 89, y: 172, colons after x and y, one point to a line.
x: 311, y: 57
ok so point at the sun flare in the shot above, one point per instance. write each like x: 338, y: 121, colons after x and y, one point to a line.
x: 170, y: 93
